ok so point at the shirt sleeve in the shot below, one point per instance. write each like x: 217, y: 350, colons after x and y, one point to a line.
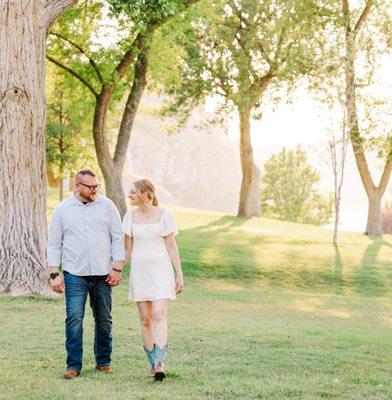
x: 168, y: 224
x: 117, y: 236
x: 55, y: 237
x: 127, y: 224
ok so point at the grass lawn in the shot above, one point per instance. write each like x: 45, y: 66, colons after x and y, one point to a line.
x: 271, y: 310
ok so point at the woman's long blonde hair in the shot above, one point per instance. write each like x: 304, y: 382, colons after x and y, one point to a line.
x: 145, y: 185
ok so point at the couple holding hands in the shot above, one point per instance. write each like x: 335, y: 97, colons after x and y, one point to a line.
x: 87, y: 238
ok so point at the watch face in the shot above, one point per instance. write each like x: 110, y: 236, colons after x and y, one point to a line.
x: 54, y: 275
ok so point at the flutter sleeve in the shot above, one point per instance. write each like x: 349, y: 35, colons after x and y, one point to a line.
x: 168, y: 224
x: 127, y: 224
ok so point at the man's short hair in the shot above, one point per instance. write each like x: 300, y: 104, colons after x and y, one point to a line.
x: 84, y: 172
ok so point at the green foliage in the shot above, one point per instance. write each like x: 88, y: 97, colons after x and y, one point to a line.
x: 94, y: 37
x: 372, y: 50
x: 145, y: 12
x: 83, y: 40
x: 69, y: 145
x: 288, y: 190
x: 236, y: 49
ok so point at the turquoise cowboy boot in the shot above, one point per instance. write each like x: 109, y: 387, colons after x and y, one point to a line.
x: 160, y: 353
x: 151, y: 359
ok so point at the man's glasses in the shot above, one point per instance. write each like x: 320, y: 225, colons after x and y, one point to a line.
x: 91, y: 187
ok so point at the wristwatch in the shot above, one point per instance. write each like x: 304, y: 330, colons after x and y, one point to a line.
x: 54, y: 275
x: 117, y: 270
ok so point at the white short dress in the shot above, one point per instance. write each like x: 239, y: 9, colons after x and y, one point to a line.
x: 152, y: 274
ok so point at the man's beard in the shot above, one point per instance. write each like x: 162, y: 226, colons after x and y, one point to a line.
x: 88, y: 199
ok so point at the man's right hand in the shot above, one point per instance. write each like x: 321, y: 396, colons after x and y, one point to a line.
x: 57, y: 284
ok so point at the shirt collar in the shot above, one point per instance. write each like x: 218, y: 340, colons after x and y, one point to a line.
x: 73, y: 200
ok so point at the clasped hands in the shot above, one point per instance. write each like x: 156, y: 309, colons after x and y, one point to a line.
x: 58, y: 285
x: 114, y: 278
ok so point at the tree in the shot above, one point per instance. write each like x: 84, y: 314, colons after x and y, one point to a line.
x: 69, y: 145
x: 288, y: 190
x: 112, y: 72
x: 368, y: 42
x: 337, y: 149
x: 240, y: 51
x: 334, y: 154
x: 23, y: 29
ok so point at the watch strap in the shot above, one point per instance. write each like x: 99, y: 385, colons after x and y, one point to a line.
x: 54, y: 275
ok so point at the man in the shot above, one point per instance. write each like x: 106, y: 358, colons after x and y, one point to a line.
x: 86, y: 237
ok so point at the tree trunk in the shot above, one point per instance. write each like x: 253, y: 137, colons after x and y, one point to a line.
x: 115, y: 191
x: 23, y: 29
x: 338, y: 183
x: 374, y: 193
x: 249, y: 205
x: 373, y: 225
x: 71, y: 185
x: 53, y: 182
x: 337, y: 220
x: 112, y: 168
x: 61, y: 188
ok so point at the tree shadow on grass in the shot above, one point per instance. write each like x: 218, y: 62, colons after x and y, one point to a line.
x: 297, y: 272
x: 231, y: 254
x: 368, y: 281
x: 217, y: 251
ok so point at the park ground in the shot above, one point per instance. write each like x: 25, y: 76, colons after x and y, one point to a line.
x: 271, y: 310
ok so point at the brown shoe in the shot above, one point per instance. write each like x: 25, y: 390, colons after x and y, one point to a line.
x: 71, y: 374
x: 106, y: 369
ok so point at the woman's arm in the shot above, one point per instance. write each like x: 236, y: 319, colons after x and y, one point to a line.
x: 128, y: 247
x: 172, y: 249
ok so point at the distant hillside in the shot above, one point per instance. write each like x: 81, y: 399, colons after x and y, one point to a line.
x: 195, y: 167
x: 199, y: 166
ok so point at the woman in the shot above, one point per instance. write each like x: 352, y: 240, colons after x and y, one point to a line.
x: 149, y: 241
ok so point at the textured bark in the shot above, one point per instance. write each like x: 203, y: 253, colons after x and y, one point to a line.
x: 373, y: 225
x: 374, y: 193
x: 249, y: 205
x: 23, y: 29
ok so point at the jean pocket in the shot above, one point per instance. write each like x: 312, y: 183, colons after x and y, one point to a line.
x: 74, y: 284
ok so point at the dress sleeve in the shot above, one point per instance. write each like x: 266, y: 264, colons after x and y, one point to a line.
x: 127, y: 224
x: 168, y: 224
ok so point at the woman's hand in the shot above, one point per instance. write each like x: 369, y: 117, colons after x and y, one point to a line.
x: 179, y: 284
x: 114, y: 278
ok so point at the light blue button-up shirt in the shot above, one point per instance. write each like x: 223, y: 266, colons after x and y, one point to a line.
x: 85, y: 238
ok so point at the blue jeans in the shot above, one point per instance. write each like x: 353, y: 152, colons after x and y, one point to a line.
x: 76, y: 290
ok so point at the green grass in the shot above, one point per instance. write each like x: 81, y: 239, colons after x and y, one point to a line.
x: 271, y: 311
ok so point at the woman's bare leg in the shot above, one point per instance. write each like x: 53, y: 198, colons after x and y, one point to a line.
x: 159, y: 314
x: 146, y: 320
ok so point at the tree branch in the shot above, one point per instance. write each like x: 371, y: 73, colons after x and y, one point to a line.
x: 346, y: 13
x: 81, y: 50
x: 131, y: 54
x: 387, y: 171
x: 363, y: 16
x: 73, y: 73
x: 278, y: 49
x: 135, y: 95
x: 55, y: 7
